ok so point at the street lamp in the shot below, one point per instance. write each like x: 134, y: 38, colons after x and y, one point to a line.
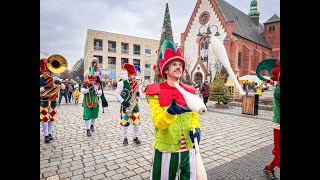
x: 208, y: 31
x: 207, y: 38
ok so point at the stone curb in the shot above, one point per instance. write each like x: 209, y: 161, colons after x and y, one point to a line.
x: 262, y: 107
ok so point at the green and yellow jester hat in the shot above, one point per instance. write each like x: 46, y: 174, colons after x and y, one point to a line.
x: 272, y: 65
x: 168, y: 54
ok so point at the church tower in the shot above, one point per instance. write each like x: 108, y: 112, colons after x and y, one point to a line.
x: 254, y: 13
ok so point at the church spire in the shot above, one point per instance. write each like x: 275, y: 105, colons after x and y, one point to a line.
x: 254, y: 13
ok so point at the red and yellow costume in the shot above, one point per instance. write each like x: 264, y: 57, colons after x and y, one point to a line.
x: 173, y: 148
x: 48, y: 103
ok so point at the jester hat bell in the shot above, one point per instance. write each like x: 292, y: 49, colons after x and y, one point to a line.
x: 43, y: 66
x: 168, y: 54
x: 272, y: 65
x: 129, y: 68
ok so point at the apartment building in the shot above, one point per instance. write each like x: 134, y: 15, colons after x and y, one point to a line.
x: 112, y: 50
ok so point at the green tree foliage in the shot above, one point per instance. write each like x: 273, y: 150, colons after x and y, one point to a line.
x: 166, y: 27
x: 218, y: 91
x: 166, y: 33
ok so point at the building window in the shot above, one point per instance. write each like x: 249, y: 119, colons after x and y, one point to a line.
x: 112, y: 66
x: 270, y: 28
x: 273, y: 28
x: 124, y: 60
x: 136, y: 62
x: 239, y: 58
x: 136, y: 49
x: 204, y: 46
x: 204, y: 17
x: 99, y: 60
x: 147, y: 68
x: 147, y: 50
x: 97, y: 44
x: 124, y: 48
x: 111, y: 46
x: 147, y: 64
x: 147, y: 77
x: 252, y: 62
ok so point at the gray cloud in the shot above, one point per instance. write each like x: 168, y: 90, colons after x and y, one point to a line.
x: 64, y: 23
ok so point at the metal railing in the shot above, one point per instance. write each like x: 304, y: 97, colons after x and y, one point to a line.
x: 97, y: 48
x: 125, y: 51
x: 111, y: 49
x: 136, y: 52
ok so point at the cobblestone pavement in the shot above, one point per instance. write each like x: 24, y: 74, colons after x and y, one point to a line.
x: 249, y: 166
x: 226, y: 136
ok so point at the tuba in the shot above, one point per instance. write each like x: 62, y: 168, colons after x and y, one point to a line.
x: 56, y: 64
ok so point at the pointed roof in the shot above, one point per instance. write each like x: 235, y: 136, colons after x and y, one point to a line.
x: 244, y: 26
x: 274, y: 18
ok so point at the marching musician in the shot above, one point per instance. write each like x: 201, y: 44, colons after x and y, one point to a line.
x: 127, y: 91
x: 48, y: 104
x: 174, y: 154
x: 91, y: 90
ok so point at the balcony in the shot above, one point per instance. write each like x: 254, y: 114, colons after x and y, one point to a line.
x: 97, y: 48
x: 111, y: 49
x: 136, y: 52
x: 125, y: 51
x: 111, y: 66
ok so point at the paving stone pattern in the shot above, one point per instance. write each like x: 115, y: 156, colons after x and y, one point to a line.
x: 226, y: 136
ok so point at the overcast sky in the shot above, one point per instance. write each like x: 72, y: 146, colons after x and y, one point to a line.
x: 64, y: 23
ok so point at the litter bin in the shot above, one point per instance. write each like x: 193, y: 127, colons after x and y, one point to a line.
x: 250, y: 104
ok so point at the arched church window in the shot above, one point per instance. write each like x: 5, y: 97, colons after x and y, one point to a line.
x: 273, y: 28
x: 239, y: 58
x: 204, y: 47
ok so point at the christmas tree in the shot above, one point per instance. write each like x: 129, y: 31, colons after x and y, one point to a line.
x: 166, y: 33
x: 218, y: 91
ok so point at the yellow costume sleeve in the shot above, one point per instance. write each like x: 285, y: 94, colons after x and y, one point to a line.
x: 160, y: 117
x: 195, y: 120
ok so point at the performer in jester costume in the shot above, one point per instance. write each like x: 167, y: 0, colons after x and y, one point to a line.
x: 94, y: 70
x: 48, y: 103
x: 127, y: 92
x: 91, y: 90
x: 273, y: 68
x: 174, y: 154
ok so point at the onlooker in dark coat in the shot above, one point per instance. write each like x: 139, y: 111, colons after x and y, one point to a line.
x: 205, y: 90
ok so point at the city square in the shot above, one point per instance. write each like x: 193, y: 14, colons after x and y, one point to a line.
x: 232, y: 145
x: 123, y: 96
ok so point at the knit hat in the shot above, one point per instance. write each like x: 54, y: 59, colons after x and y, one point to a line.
x: 168, y: 54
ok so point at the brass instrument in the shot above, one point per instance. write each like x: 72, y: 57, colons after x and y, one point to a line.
x: 56, y: 64
x: 133, y: 102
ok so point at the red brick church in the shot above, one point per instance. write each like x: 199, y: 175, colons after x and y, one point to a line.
x: 246, y: 40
